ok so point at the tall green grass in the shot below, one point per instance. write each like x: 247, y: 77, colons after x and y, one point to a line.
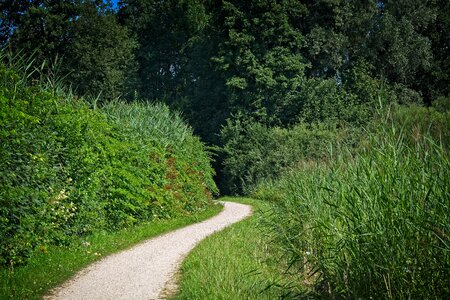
x: 375, y: 224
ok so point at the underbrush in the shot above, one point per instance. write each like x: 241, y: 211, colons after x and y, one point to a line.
x: 371, y: 223
x: 68, y: 170
x: 253, y: 152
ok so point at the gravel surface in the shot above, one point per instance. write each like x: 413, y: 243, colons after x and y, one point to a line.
x: 143, y: 271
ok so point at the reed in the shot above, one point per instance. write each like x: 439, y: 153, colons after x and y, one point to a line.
x: 372, y: 224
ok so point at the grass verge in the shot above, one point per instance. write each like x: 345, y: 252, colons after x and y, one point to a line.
x: 51, y: 266
x: 236, y: 263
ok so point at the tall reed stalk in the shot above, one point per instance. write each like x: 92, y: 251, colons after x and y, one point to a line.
x: 375, y: 224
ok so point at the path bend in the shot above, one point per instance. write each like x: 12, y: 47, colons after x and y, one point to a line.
x: 143, y: 271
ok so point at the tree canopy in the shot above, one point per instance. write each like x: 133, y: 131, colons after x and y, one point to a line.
x: 97, y: 52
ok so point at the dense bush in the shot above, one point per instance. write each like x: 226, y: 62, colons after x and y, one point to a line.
x: 185, y: 183
x: 67, y: 170
x: 374, y: 224
x: 253, y: 152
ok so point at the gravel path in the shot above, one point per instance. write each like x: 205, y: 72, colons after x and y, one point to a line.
x: 143, y: 271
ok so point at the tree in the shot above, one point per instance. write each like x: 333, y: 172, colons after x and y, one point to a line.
x: 10, y: 12
x: 163, y: 30
x: 260, y: 57
x: 434, y: 82
x: 394, y: 37
x: 40, y: 27
x: 335, y: 31
x: 176, y: 42
x: 398, y: 47
x: 100, y: 57
x: 97, y: 52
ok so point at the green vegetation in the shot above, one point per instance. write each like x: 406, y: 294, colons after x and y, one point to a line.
x: 68, y: 171
x: 373, y: 223
x: 335, y: 112
x: 255, y: 152
x: 98, y: 53
x: 271, y: 61
x: 52, y: 265
x: 236, y: 263
x: 365, y: 219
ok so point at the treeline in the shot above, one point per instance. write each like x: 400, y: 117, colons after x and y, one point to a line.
x: 225, y: 63
x: 69, y: 170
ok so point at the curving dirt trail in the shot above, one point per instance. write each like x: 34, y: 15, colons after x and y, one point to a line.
x: 143, y: 271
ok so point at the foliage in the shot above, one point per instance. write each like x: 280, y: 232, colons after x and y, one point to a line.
x: 100, y: 56
x: 402, y: 40
x: 96, y: 51
x: 68, y: 170
x: 38, y: 26
x: 416, y: 121
x: 164, y: 29
x: 267, y: 59
x: 254, y: 152
x: 275, y: 85
x: 279, y: 62
x: 182, y: 172
x: 434, y: 83
x: 375, y: 223
x: 399, y: 49
x: 259, y: 57
x: 330, y: 116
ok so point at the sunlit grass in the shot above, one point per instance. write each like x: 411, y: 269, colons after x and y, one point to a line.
x: 236, y: 263
x: 50, y: 266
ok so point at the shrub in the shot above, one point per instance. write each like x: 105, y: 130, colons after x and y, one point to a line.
x: 254, y: 152
x: 180, y: 166
x: 68, y: 170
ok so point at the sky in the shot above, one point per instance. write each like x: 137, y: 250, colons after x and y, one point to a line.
x: 114, y: 3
